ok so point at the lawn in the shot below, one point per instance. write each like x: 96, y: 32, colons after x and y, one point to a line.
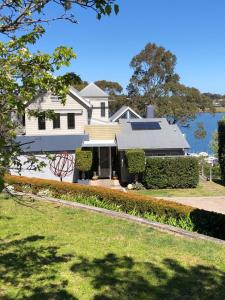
x: 205, y: 188
x: 52, y: 252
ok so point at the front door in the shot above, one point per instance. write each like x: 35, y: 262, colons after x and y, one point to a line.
x: 104, y: 165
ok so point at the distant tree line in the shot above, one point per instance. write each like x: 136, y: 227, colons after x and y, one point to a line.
x: 154, y: 81
x: 214, y: 96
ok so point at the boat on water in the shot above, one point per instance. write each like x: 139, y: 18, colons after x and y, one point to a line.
x: 186, y: 125
x: 208, y: 158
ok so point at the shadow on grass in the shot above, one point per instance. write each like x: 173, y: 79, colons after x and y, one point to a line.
x: 5, y: 218
x: 116, y: 277
x: 32, y: 269
x: 208, y: 223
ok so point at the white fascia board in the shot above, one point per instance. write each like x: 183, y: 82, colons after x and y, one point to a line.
x: 109, y: 143
x: 76, y: 94
x: 125, y: 110
x: 66, y: 111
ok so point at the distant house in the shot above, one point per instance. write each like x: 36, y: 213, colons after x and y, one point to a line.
x: 84, y: 122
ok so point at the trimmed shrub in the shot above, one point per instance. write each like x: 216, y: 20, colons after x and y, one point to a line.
x: 221, y: 148
x: 127, y: 201
x: 1, y: 184
x: 135, y: 160
x: 83, y: 160
x: 203, y: 221
x: 171, y: 172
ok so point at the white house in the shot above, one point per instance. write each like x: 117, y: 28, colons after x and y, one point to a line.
x: 79, y: 109
x: 84, y: 122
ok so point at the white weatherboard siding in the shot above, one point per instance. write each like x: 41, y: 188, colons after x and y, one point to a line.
x: 45, y: 173
x: 84, y: 105
x: 71, y: 106
x: 96, y: 109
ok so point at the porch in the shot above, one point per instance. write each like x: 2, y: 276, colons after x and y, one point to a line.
x: 102, y: 143
x: 105, y: 158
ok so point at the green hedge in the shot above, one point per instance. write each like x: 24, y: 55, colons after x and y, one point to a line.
x: 205, y: 222
x: 83, y: 159
x: 171, y: 172
x: 221, y: 148
x: 135, y: 161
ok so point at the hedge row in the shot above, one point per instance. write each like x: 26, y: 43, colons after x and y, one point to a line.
x: 127, y: 201
x: 205, y: 222
x: 171, y: 172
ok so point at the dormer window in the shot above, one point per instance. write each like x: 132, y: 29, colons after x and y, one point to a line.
x: 102, y: 109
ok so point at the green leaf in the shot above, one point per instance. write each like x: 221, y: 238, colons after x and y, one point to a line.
x: 116, y: 8
x: 108, y: 9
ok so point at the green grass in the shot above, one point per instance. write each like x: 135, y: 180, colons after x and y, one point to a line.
x: 52, y: 252
x: 205, y: 189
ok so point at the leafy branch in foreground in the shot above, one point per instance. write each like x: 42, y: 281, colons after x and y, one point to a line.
x: 25, y: 75
x: 24, y: 14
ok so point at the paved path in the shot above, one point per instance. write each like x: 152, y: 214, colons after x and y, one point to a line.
x: 214, y: 203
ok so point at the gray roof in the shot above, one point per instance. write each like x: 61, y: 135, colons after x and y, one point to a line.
x: 168, y: 137
x: 75, y: 93
x: 50, y: 143
x: 122, y: 110
x: 92, y: 91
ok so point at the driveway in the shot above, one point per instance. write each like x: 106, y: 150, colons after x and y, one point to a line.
x: 214, y: 203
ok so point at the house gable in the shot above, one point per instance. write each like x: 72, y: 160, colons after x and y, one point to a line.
x: 124, y: 110
x: 75, y: 104
x: 93, y: 91
x: 99, y: 101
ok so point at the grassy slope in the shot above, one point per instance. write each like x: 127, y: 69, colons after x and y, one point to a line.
x: 52, y: 252
x: 205, y: 188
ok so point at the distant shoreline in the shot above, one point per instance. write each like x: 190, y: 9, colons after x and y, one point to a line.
x: 220, y: 109
x: 210, y: 121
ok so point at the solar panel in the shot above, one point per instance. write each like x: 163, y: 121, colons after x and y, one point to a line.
x: 145, y: 126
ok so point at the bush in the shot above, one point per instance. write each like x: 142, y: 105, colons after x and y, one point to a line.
x: 221, y: 148
x: 83, y: 160
x: 173, y: 172
x: 135, y: 161
x: 203, y: 221
x: 216, y: 173
x: 127, y: 201
x: 1, y: 184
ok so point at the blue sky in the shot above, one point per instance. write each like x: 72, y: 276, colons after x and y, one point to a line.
x: 194, y: 30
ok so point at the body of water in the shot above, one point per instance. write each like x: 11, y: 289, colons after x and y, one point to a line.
x: 210, y: 125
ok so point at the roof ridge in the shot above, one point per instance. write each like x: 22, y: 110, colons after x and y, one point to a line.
x: 92, y: 87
